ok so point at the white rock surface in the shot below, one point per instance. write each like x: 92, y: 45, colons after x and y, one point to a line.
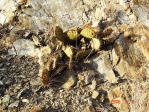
x: 44, y: 14
x: 103, y: 66
x: 23, y: 47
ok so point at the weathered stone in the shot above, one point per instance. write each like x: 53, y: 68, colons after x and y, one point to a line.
x: 15, y: 104
x: 131, y: 56
x: 25, y: 100
x: 140, y: 9
x: 103, y: 66
x: 23, y: 47
x: 95, y: 94
x: 93, y: 85
x: 68, y: 79
x: 1, y: 83
x: 81, y: 77
x: 5, y: 101
x: 3, y: 18
x: 8, y: 10
x: 51, y: 12
x: 114, y: 57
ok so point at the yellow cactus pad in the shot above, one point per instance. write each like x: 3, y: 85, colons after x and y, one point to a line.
x: 68, y: 51
x: 88, y: 33
x: 72, y: 34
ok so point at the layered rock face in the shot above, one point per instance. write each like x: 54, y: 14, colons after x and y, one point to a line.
x: 43, y: 14
x: 123, y: 31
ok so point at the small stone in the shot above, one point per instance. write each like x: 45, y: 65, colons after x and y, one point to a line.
x: 93, y: 85
x: 15, y: 104
x: 115, y: 57
x: 3, y: 18
x: 25, y: 100
x: 5, y: 101
x: 87, y: 80
x: 133, y: 17
x: 103, y: 66
x: 23, y: 47
x: 95, y: 94
x: 81, y: 77
x: 68, y: 79
x: 1, y: 83
x: 27, y: 34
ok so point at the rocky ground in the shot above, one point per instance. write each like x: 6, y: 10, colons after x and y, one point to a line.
x: 112, y: 74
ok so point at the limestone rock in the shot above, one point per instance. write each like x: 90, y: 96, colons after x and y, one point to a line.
x: 5, y: 101
x: 140, y: 7
x: 93, y: 85
x: 132, y: 56
x: 3, y: 18
x: 7, y: 8
x: 68, y: 79
x: 44, y: 14
x: 14, y: 104
x: 95, y: 94
x: 23, y: 47
x: 102, y: 64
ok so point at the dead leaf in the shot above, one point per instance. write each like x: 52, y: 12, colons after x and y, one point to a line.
x: 81, y: 54
x: 36, y: 40
x: 68, y: 51
x: 95, y: 43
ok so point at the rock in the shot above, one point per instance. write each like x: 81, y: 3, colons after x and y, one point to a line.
x: 23, y: 47
x: 57, y: 13
x: 3, y: 18
x: 68, y: 79
x: 8, y: 9
x: 5, y: 101
x: 133, y: 17
x: 81, y: 77
x: 25, y: 100
x: 114, y: 57
x: 1, y: 83
x: 123, y: 18
x: 93, y: 85
x: 144, y: 46
x: 15, y: 104
x: 89, y: 109
x: 131, y: 56
x: 95, y: 94
x: 102, y: 64
x: 87, y: 79
x: 141, y: 11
